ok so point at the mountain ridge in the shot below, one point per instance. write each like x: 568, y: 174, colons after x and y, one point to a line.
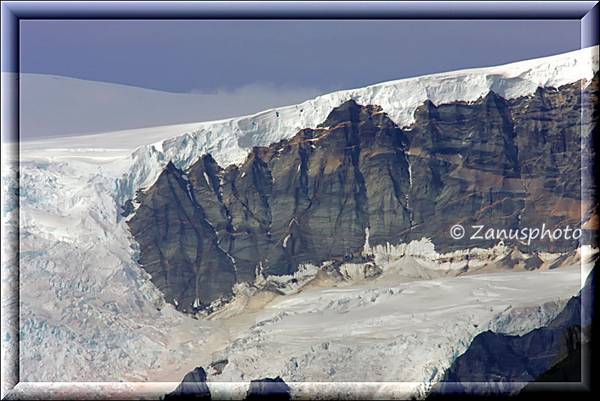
x: 560, y: 69
x: 69, y: 193
x: 324, y: 193
x: 229, y: 140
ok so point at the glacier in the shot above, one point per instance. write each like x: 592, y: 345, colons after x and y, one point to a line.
x: 89, y: 313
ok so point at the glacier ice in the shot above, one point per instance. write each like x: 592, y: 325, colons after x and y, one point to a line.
x: 89, y: 313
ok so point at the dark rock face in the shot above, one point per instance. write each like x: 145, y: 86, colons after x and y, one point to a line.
x: 493, y: 361
x: 499, y: 163
x: 493, y: 357
x: 300, y: 200
x: 193, y: 387
x: 505, y: 164
x: 567, y: 370
x: 269, y: 389
x: 127, y: 208
x: 179, y: 246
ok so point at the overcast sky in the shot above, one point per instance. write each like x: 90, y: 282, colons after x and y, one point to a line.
x: 281, y: 62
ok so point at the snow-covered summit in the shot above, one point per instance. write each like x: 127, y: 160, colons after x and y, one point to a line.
x: 229, y: 140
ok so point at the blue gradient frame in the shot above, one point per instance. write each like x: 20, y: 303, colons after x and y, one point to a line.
x: 14, y: 11
x: 587, y: 12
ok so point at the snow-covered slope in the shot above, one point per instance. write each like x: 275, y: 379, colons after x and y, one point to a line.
x: 56, y: 105
x: 88, y: 312
x: 378, y: 339
x: 229, y: 140
x: 388, y: 331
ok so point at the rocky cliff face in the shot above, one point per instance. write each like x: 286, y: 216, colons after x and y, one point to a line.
x: 268, y: 389
x: 499, y: 163
x: 358, y: 177
x: 193, y: 387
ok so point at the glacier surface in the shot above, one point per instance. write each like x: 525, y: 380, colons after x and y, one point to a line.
x: 88, y: 312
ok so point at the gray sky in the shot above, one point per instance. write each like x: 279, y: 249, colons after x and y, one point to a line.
x: 271, y: 62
